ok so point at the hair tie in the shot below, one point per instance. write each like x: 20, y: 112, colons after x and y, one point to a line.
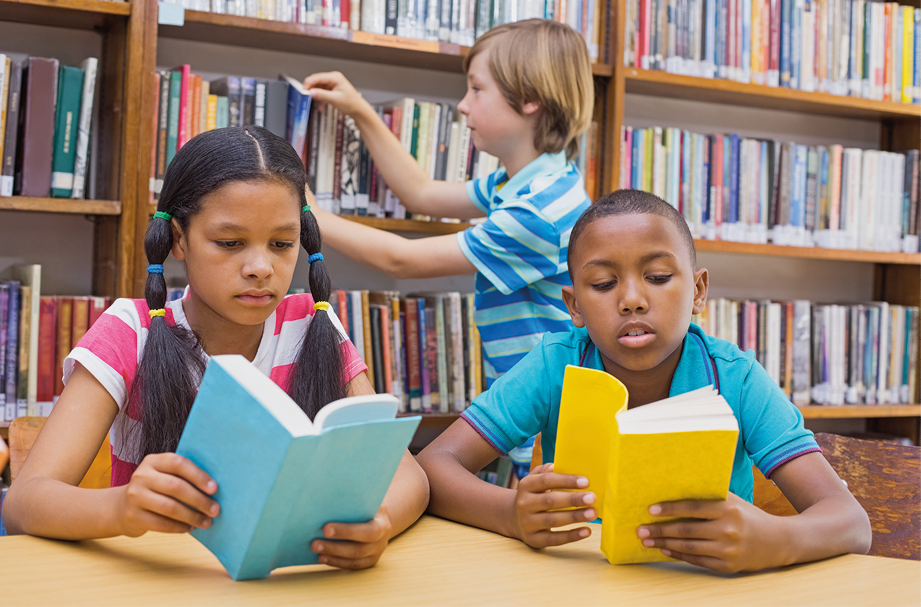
x: 305, y: 208
x: 321, y: 305
x: 155, y: 268
x: 162, y: 215
x: 315, y: 257
x: 160, y: 312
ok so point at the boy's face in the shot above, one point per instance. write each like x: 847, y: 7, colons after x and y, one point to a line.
x: 495, y: 126
x: 634, y: 290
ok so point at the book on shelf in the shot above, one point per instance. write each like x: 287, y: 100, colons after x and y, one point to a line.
x: 458, y: 22
x: 693, y: 435
x: 843, y: 47
x: 37, y: 332
x: 759, y: 190
x: 45, y: 111
x: 421, y: 348
x: 864, y: 353
x: 307, y: 473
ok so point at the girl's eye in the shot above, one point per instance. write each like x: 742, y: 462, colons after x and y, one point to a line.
x: 660, y: 279
x: 227, y: 244
x: 283, y: 245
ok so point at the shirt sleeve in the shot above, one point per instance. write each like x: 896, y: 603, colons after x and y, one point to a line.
x: 477, y: 191
x: 772, y: 427
x: 516, y: 246
x: 516, y: 407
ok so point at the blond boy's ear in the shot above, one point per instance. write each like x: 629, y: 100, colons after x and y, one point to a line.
x: 569, y: 298
x: 530, y: 108
x: 701, y: 286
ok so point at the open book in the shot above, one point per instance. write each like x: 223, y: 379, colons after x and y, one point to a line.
x: 674, y: 449
x: 280, y: 476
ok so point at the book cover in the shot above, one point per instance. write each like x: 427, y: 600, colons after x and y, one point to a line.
x: 8, y: 159
x: 377, y: 353
x: 175, y: 97
x: 204, y: 94
x: 4, y: 333
x: 194, y: 113
x: 5, y: 69
x: 693, y: 435
x: 44, y: 392
x: 409, y: 308
x: 62, y: 340
x: 276, y: 107
x: 229, y: 87
x: 67, y: 109
x: 89, y: 67
x: 185, y: 105
x: 297, y: 115
x: 30, y: 279
x: 336, y: 468
x: 81, y: 318
x: 248, y: 97
x: 36, y: 128
x: 365, y: 318
x: 12, y: 348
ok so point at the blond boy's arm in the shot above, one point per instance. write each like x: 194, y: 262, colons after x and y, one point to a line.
x: 416, y: 191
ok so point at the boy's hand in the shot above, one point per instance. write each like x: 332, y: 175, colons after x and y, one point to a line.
x: 334, y: 88
x: 167, y: 493
x: 354, y: 545
x: 730, y: 536
x: 539, y: 507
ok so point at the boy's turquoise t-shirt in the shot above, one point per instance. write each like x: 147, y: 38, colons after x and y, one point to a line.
x: 526, y: 400
x: 520, y: 255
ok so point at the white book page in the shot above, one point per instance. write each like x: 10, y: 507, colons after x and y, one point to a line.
x: 356, y: 409
x: 702, y: 409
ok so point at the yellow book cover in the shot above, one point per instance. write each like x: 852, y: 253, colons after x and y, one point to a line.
x: 675, y: 449
x: 211, y: 117
x: 908, y: 66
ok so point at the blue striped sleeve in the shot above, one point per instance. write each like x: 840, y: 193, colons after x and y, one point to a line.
x: 516, y: 246
x: 478, y: 192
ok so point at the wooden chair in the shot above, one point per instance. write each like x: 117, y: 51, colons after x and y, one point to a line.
x: 884, y: 478
x: 24, y: 431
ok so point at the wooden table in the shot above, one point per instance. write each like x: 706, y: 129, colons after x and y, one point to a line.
x: 434, y: 563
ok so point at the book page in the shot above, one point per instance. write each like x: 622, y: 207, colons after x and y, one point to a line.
x: 356, y: 409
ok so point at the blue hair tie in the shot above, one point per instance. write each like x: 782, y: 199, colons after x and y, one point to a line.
x: 315, y: 257
x: 155, y: 268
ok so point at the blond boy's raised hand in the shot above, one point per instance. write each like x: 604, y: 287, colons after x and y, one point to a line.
x: 335, y: 89
x: 541, y: 506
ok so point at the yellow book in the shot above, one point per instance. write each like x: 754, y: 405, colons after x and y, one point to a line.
x: 908, y: 66
x: 675, y: 449
x: 211, y: 116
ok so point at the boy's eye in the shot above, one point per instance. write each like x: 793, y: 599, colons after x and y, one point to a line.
x: 227, y: 244
x: 660, y: 279
x: 604, y: 285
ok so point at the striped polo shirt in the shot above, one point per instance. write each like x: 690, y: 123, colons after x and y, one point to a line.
x: 520, y: 255
x: 112, y: 347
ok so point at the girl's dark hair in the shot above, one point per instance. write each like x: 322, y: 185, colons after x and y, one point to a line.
x: 630, y: 202
x: 173, y: 362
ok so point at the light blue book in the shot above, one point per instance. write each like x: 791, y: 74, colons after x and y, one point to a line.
x: 280, y: 476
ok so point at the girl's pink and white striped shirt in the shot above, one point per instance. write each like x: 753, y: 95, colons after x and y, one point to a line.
x: 113, y: 346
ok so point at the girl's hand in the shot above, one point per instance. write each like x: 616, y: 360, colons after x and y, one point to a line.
x: 539, y: 507
x: 730, y: 536
x: 167, y: 493
x: 354, y: 545
x: 334, y: 88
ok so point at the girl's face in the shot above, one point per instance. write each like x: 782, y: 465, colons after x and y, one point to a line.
x: 240, y: 250
x: 495, y: 126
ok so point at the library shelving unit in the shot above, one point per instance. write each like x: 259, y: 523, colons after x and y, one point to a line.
x: 897, y: 276
x: 120, y: 67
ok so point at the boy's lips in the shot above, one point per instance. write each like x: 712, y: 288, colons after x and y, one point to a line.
x: 636, y: 335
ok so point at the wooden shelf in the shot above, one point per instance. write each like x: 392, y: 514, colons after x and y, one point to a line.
x: 324, y: 41
x: 725, y: 246
x: 663, y: 84
x: 61, y: 205
x: 72, y: 14
x: 859, y: 411
x: 409, y: 225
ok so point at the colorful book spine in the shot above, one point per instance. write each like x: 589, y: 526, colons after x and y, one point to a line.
x: 67, y: 108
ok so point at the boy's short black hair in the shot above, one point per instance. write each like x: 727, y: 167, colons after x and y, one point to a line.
x: 630, y: 202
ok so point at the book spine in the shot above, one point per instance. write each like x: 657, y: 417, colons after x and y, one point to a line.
x: 424, y: 358
x: 36, y: 128
x: 90, y: 67
x: 259, y: 104
x: 70, y: 88
x: 413, y: 358
x: 175, y: 98
x: 4, y: 334
x: 8, y: 159
x: 185, y: 106
x: 12, y: 348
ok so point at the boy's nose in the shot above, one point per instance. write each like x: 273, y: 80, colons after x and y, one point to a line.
x: 632, y: 298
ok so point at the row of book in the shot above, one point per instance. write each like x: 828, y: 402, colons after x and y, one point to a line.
x: 424, y: 349
x: 826, y: 354
x: 45, y: 113
x: 859, y: 48
x: 187, y: 105
x: 37, y: 333
x: 456, y: 21
x: 730, y: 187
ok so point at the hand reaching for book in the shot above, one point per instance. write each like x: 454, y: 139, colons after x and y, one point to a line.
x: 354, y: 545
x: 540, y: 503
x: 334, y: 88
x: 167, y: 493
x: 729, y: 536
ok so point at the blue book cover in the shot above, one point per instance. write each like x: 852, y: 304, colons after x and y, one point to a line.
x: 705, y: 179
x: 425, y: 379
x: 12, y: 348
x: 822, y: 218
x: 798, y: 197
x: 172, y: 133
x: 734, y: 179
x: 298, y: 113
x: 4, y: 305
x: 786, y: 42
x: 280, y: 476
x: 796, y: 43
x: 636, y: 171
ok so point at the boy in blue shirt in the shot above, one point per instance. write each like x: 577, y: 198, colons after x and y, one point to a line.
x: 635, y: 287
x: 529, y: 96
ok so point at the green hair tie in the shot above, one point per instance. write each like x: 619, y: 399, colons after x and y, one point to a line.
x: 162, y: 215
x: 305, y: 208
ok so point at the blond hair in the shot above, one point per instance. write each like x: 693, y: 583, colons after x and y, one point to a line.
x: 544, y: 62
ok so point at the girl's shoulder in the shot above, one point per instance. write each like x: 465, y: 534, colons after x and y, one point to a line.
x: 295, y: 307
x: 136, y: 314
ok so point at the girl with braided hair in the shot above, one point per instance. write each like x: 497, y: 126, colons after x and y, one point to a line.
x: 233, y: 208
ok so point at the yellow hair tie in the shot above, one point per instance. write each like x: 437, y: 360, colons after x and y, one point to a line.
x: 321, y: 305
x: 160, y: 312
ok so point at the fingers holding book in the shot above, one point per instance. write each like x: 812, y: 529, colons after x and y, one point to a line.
x: 354, y: 545
x: 546, y: 500
x: 167, y: 493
